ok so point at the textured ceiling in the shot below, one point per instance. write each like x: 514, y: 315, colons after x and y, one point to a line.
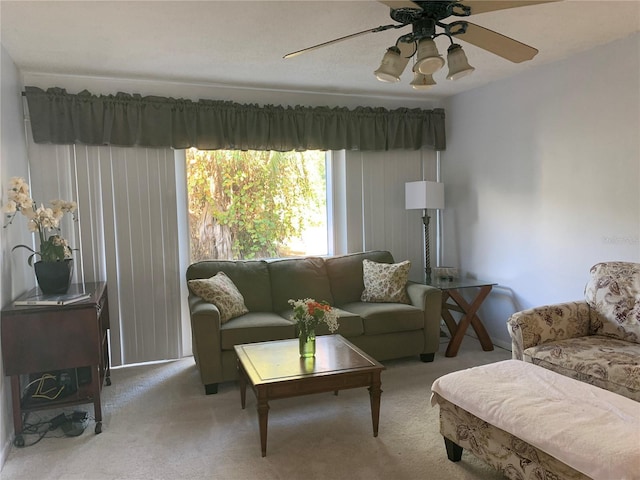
x: 241, y: 43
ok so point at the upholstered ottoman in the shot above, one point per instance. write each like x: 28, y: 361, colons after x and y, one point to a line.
x: 529, y: 422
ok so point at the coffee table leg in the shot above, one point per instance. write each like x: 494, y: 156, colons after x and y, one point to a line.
x: 263, y: 418
x: 374, y: 393
x: 242, y: 380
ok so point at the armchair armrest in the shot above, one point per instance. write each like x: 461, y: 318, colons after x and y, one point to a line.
x: 429, y: 300
x: 205, y: 339
x: 548, y: 323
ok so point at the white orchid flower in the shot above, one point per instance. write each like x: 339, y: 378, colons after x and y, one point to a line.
x: 10, y: 207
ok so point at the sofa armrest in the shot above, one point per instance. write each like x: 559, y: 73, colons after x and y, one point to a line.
x: 548, y: 323
x: 429, y: 300
x: 205, y: 339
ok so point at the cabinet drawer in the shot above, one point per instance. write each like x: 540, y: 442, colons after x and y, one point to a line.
x: 40, y: 342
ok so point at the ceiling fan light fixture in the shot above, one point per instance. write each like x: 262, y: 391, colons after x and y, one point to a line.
x: 425, y: 18
x: 391, y: 66
x: 458, y: 64
x: 428, y: 59
x: 421, y: 81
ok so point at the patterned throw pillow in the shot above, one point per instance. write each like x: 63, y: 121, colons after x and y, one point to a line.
x: 223, y: 293
x: 385, y: 282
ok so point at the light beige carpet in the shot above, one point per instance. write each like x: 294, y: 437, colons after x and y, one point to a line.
x: 159, y: 424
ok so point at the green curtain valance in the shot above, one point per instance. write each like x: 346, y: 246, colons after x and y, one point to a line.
x: 129, y: 119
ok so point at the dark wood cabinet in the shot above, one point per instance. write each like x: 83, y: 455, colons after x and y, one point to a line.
x: 41, y: 339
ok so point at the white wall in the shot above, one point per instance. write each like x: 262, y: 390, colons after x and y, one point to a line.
x: 541, y: 175
x: 16, y: 277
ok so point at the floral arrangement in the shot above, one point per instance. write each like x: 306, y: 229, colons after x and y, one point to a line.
x: 308, y: 314
x: 42, y: 220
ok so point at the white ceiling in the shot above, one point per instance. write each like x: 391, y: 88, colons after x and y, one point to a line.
x: 242, y: 42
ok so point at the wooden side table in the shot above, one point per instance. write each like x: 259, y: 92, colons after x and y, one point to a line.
x: 37, y: 339
x: 451, y: 290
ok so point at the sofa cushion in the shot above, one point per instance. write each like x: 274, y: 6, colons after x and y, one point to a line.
x: 379, y: 318
x: 346, y: 277
x: 298, y: 278
x: 603, y: 361
x: 613, y: 293
x: 385, y: 282
x: 251, y: 277
x: 222, y: 292
x: 255, y: 327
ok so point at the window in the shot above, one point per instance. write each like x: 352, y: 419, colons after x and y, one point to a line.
x: 256, y: 204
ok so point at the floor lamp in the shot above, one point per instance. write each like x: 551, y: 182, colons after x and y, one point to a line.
x: 424, y: 195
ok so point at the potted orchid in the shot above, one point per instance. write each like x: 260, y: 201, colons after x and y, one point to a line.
x: 55, y: 261
x: 308, y: 314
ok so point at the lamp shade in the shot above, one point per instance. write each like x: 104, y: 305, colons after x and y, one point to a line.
x: 458, y: 64
x: 421, y: 81
x: 392, y: 66
x: 424, y: 195
x: 428, y: 60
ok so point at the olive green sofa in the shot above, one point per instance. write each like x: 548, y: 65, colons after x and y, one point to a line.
x: 383, y: 330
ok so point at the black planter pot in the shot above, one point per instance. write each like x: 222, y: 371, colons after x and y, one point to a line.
x: 54, y: 277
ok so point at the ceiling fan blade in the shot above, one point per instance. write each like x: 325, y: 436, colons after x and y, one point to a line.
x: 496, y: 43
x: 341, y: 39
x: 482, y: 6
x: 401, y: 4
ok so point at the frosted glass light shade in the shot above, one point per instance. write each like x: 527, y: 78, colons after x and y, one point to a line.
x: 458, y: 64
x: 391, y: 66
x: 421, y: 81
x: 428, y: 59
x: 424, y: 195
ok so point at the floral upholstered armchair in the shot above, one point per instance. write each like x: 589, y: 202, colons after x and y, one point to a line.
x: 596, y: 340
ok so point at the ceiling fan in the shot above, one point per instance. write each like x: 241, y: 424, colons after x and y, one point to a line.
x: 425, y: 18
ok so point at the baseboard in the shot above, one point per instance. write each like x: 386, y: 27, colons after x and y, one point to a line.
x: 445, y: 337
x: 4, y: 452
x: 498, y: 343
x: 502, y: 344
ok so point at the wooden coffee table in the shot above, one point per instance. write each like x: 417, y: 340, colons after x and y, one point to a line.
x: 275, y: 370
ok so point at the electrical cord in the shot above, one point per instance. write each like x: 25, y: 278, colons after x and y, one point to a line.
x: 40, y: 392
x: 75, y: 422
x: 39, y: 428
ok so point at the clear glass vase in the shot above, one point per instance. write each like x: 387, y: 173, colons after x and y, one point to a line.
x: 307, y: 344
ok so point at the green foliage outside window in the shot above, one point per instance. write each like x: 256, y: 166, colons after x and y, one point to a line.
x: 252, y: 204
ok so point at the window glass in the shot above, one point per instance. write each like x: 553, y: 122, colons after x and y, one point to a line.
x: 256, y: 204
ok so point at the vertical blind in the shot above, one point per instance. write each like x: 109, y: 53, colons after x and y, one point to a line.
x: 135, y: 198
x: 369, y: 204
x: 127, y: 234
